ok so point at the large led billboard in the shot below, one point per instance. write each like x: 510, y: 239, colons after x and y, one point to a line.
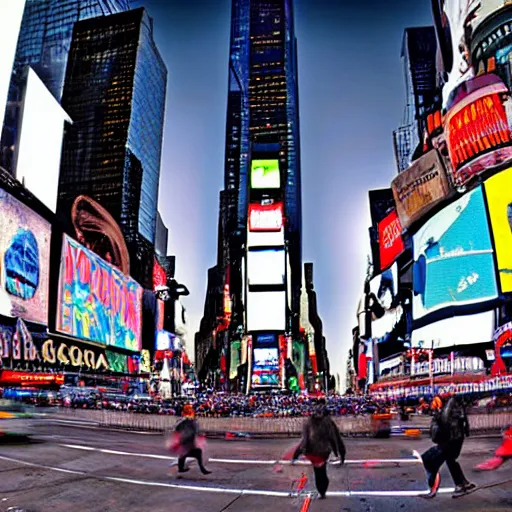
x: 266, y: 267
x: 265, y: 239
x: 266, y: 311
x: 11, y: 13
x: 96, y: 301
x: 265, y: 367
x: 265, y: 174
x: 454, y: 331
x: 421, y: 187
x: 391, y: 244
x: 39, y: 149
x: 24, y: 261
x: 499, y: 199
x: 477, y: 129
x: 265, y: 217
x: 453, y: 257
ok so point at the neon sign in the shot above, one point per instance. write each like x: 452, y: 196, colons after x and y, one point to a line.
x: 265, y: 217
x: 24, y: 378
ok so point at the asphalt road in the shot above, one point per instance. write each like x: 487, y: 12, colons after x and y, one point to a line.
x: 89, y: 469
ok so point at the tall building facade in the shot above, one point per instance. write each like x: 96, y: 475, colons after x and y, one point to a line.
x: 43, y: 44
x: 261, y: 181
x: 422, y: 94
x: 115, y: 92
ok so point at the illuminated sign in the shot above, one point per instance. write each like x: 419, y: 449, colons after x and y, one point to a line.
x: 159, y: 276
x: 453, y: 257
x: 266, y: 267
x: 499, y: 199
x: 26, y: 378
x: 266, y: 369
x: 145, y: 361
x: 74, y: 356
x: 502, y: 340
x: 164, y: 340
x: 266, y: 311
x: 265, y: 217
x: 96, y: 301
x: 477, y: 131
x: 391, y: 244
x: 24, y: 261
x: 265, y: 174
x: 419, y: 188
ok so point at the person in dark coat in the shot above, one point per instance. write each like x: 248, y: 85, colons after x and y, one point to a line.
x: 320, y: 437
x: 450, y: 426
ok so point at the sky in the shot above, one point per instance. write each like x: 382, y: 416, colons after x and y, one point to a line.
x: 351, y: 94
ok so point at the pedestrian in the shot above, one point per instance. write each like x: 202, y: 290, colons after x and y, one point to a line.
x: 320, y: 437
x: 186, y: 442
x: 448, y: 430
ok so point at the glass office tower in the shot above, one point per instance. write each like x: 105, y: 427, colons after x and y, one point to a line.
x: 115, y: 92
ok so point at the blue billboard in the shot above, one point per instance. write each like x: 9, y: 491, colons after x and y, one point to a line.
x: 453, y: 258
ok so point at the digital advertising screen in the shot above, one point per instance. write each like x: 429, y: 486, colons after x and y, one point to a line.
x: 96, y: 301
x: 391, y: 244
x: 24, y: 261
x: 265, y: 239
x: 453, y: 258
x: 455, y: 331
x: 266, y: 267
x: 265, y: 217
x: 164, y: 340
x: 265, y: 367
x: 419, y: 188
x: 266, y: 311
x: 477, y: 130
x: 159, y: 275
x: 498, y: 189
x: 265, y: 174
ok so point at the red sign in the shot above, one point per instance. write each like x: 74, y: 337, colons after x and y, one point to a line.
x: 265, y: 217
x: 27, y: 378
x: 391, y: 244
x: 163, y: 354
x: 159, y: 275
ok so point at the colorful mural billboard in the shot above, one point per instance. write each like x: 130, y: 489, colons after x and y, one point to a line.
x: 24, y: 260
x: 96, y: 301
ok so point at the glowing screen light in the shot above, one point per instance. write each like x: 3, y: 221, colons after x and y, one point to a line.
x: 265, y: 174
x: 266, y: 267
x: 268, y: 217
x: 453, y: 257
x: 265, y: 368
x: 96, y: 301
x: 391, y: 244
x: 24, y: 261
x: 499, y: 199
x: 477, y: 131
x: 266, y: 311
x: 39, y: 149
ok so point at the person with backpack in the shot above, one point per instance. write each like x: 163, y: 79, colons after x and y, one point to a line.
x: 448, y: 430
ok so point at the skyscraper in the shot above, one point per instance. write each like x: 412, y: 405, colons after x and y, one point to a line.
x: 43, y: 44
x: 115, y: 92
x: 262, y: 139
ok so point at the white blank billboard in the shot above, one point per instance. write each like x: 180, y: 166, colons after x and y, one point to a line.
x: 266, y: 267
x: 11, y: 13
x: 454, y: 331
x: 266, y: 311
x: 40, y: 141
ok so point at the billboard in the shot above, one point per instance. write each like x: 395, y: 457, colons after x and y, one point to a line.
x: 265, y: 217
x: 419, y: 188
x: 164, y: 340
x: 40, y: 143
x: 454, y: 331
x: 265, y: 239
x: 24, y: 261
x: 265, y: 174
x: 391, y: 244
x: 159, y: 276
x: 265, y: 367
x: 266, y: 311
x: 11, y: 14
x: 499, y: 199
x: 453, y: 257
x: 477, y: 130
x: 266, y: 267
x: 96, y: 301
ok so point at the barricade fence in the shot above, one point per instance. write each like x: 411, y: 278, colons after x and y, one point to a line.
x: 348, y: 425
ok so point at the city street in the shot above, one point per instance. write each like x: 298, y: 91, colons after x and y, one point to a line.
x: 77, y: 468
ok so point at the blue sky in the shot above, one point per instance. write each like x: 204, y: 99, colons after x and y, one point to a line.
x: 351, y: 89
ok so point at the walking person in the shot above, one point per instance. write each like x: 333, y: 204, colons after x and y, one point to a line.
x: 186, y: 442
x: 449, y: 428
x: 320, y: 437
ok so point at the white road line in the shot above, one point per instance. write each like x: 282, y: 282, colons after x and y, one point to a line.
x: 235, y: 461
x: 222, y: 490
